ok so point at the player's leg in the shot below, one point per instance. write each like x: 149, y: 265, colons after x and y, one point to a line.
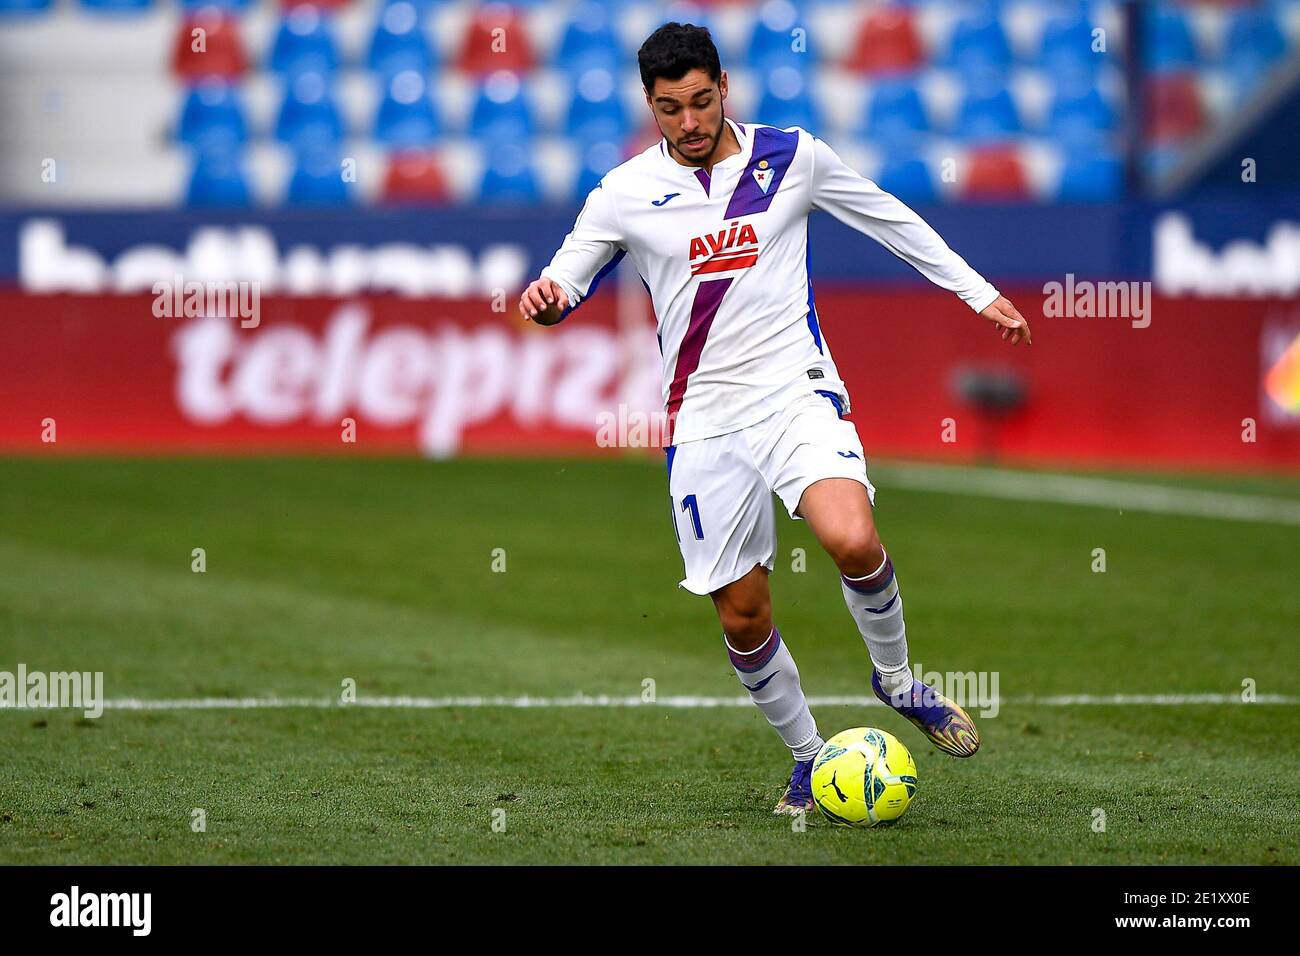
x: 819, y: 470
x: 723, y: 517
x: 767, y: 670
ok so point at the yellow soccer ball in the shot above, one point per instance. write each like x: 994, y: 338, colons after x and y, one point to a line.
x: 863, y: 778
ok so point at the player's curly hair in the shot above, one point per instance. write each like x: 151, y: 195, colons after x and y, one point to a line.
x: 674, y: 50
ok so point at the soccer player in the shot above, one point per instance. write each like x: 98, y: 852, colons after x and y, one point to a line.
x: 715, y: 219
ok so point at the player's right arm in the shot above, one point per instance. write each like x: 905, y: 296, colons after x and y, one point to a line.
x: 595, y: 246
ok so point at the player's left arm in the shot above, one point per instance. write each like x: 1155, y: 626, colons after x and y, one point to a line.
x: 858, y: 202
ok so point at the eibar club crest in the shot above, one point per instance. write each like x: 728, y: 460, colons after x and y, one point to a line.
x: 763, y: 175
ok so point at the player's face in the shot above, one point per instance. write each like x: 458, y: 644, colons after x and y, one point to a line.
x: 689, y: 113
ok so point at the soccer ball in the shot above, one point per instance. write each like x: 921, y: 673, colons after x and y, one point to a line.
x: 863, y: 778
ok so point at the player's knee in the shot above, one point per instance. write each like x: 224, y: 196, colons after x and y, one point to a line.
x: 746, y: 626
x: 857, y: 550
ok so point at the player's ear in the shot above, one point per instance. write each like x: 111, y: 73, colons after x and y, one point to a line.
x: 722, y: 85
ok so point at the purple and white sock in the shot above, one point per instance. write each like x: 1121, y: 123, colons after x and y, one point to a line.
x: 877, y: 607
x: 769, y: 673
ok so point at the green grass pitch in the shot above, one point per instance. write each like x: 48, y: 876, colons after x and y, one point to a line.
x: 381, y: 571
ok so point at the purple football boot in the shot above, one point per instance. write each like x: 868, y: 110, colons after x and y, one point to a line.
x: 947, y: 725
x: 798, y: 792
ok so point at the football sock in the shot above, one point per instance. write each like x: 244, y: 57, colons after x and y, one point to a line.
x: 769, y: 674
x: 876, y: 605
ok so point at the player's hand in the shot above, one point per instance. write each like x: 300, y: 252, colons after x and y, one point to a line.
x: 543, y: 302
x: 1008, y: 318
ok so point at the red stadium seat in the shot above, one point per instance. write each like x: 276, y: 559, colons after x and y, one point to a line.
x: 415, y: 178
x: 330, y: 5
x: 1174, y: 112
x: 497, y: 39
x: 887, y: 43
x: 215, y: 52
x: 995, y: 172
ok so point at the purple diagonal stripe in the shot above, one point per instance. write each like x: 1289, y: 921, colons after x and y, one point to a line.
x: 708, y: 296
x: 778, y: 148
x: 703, y: 177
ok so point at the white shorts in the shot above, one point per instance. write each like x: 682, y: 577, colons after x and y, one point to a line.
x: 722, y: 487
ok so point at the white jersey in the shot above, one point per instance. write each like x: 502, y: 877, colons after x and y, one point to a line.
x: 725, y: 259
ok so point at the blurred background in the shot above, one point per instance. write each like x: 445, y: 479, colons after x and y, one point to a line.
x: 383, y: 176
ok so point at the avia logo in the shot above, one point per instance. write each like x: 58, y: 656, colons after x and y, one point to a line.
x: 669, y: 197
x: 735, y: 247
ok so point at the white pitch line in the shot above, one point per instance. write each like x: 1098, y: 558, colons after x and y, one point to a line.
x: 691, y: 702
x: 1092, y: 492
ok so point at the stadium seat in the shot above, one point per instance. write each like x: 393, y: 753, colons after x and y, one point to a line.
x: 887, y: 43
x: 995, y: 173
x: 304, y: 43
x: 774, y: 42
x: 497, y: 39
x: 229, y: 5
x: 399, y: 41
x: 988, y: 116
x: 17, y: 8
x: 786, y: 101
x: 508, y: 177
x: 978, y: 40
x: 415, y: 178
x: 220, y: 55
x: 318, y: 180
x: 597, y: 159
x: 1169, y: 44
x: 895, y: 114
x: 1096, y: 178
x: 908, y: 178
x: 117, y: 6
x: 1254, y: 45
x: 1174, y: 109
x: 589, y: 41
x: 218, y: 179
x: 1079, y: 115
x: 501, y: 111
x: 406, y: 115
x: 212, y: 116
x: 596, y: 109
x: 1066, y: 41
x: 308, y: 114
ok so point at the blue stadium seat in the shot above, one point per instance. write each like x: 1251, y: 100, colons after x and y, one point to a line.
x: 597, y: 159
x: 304, y: 43
x: 308, y: 113
x: 508, y: 178
x: 895, y: 114
x: 786, y: 100
x: 1095, y: 178
x: 19, y: 7
x: 1254, y: 44
x: 501, y: 111
x: 399, y: 41
x: 596, y: 109
x: 212, y: 116
x: 218, y: 179
x: 978, y: 40
x: 318, y: 180
x: 1066, y: 40
x: 189, y: 6
x: 772, y: 44
x: 988, y: 116
x: 589, y: 41
x: 406, y: 115
x: 1079, y: 115
x: 1169, y: 43
x: 908, y: 178
x: 117, y: 6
